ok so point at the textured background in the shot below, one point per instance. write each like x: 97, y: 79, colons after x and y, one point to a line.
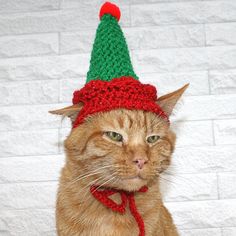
x: 44, y: 56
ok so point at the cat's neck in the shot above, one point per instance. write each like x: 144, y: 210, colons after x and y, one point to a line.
x: 81, y: 191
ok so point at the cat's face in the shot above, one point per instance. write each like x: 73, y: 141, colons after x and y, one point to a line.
x: 123, y: 149
x: 127, y: 149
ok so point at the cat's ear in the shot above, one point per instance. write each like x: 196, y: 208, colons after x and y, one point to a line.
x: 70, y: 111
x: 167, y: 102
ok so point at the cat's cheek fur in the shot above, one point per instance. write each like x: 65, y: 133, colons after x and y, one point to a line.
x: 74, y: 142
x: 167, y: 150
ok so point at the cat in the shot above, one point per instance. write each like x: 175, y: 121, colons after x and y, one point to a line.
x: 119, y: 149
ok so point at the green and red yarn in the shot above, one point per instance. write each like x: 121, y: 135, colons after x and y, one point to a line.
x: 111, y: 81
x: 111, y: 9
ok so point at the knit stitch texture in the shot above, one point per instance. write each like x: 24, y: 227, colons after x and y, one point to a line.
x: 124, y: 92
x: 110, y: 56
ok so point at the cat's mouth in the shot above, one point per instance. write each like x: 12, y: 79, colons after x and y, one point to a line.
x: 136, y: 177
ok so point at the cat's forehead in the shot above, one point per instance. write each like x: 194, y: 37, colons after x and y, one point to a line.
x: 132, y: 121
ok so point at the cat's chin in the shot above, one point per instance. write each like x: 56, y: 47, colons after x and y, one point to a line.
x: 132, y: 184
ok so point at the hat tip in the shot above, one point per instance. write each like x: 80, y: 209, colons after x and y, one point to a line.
x: 110, y: 8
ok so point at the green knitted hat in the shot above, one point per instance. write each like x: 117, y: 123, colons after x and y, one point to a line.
x: 110, y: 56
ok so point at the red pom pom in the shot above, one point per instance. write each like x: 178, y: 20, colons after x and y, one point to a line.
x: 110, y: 8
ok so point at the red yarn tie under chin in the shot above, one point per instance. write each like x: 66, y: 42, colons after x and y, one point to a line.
x: 103, y: 197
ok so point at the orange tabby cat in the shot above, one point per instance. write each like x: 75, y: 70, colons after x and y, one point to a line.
x: 120, y: 149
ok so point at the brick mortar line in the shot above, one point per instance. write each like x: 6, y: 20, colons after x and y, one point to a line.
x: 59, y: 6
x: 37, y: 80
x: 181, y: 48
x: 10, y: 13
x: 212, y: 227
x: 175, y: 1
x: 48, y: 208
x: 59, y: 91
x: 141, y: 74
x: 123, y: 27
x: 22, y: 35
x: 203, y: 200
x: 191, y: 23
x: 59, y: 43
x: 30, y: 11
x: 218, y: 186
x: 28, y: 182
x: 221, y: 231
x: 132, y: 26
x: 213, y: 130
x: 209, y: 82
x: 33, y: 156
x: 28, y: 209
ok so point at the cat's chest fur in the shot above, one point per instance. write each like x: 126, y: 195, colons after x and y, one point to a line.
x: 93, y: 218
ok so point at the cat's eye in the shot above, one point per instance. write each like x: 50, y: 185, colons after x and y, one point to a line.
x: 114, y: 136
x: 153, y: 138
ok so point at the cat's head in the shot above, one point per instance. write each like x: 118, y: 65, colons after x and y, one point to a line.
x: 123, y: 149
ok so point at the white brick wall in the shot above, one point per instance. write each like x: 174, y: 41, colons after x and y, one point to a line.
x: 44, y: 57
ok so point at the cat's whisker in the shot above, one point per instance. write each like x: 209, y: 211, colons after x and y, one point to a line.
x: 115, y: 181
x: 87, y: 186
x: 166, y: 168
x: 176, y: 175
x: 177, y: 182
x: 108, y: 181
x: 169, y: 181
x: 83, y: 177
x: 91, y: 183
x: 103, y: 167
x: 171, y: 164
x: 88, y: 192
x: 182, y: 180
x: 170, y: 172
x: 94, y: 172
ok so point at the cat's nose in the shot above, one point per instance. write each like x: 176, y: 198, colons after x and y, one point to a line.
x: 140, y: 163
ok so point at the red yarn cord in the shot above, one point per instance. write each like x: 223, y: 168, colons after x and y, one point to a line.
x: 136, y: 215
x: 103, y: 197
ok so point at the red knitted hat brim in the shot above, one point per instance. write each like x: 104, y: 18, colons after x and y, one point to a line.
x: 124, y: 92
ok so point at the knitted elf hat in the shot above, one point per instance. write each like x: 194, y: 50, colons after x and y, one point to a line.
x: 111, y: 81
